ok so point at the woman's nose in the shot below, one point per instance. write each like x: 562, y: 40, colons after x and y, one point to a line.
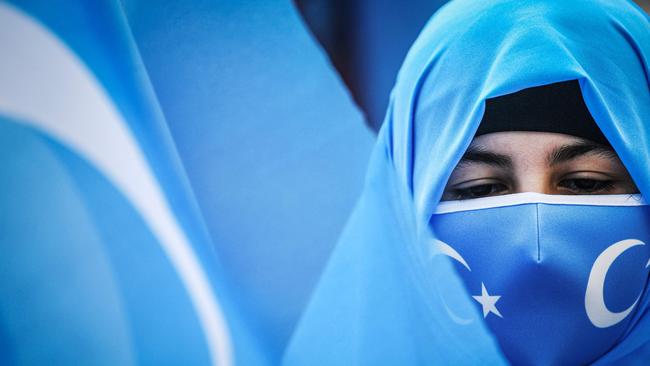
x: 534, y: 181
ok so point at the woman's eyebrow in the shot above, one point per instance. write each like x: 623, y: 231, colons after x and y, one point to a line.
x: 571, y: 151
x: 477, y: 154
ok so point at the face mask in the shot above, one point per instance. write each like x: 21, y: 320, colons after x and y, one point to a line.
x: 558, y: 279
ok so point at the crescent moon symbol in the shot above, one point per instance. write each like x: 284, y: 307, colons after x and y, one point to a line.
x: 597, y: 311
x: 445, y: 249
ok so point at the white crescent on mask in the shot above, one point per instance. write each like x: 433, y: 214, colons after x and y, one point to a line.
x: 598, y: 313
x: 445, y: 249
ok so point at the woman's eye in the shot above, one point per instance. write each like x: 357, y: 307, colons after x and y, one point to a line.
x: 478, y: 191
x: 586, y: 186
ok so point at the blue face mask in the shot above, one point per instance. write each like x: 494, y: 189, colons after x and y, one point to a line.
x: 558, y: 279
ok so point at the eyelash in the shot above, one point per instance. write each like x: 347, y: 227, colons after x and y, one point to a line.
x: 599, y: 185
x: 477, y: 191
x: 495, y: 189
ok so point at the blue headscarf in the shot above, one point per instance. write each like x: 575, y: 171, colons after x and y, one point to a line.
x: 385, y: 295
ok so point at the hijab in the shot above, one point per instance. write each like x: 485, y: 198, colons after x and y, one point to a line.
x: 385, y: 293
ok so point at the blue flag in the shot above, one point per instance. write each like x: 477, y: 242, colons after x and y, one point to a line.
x: 105, y: 259
x: 174, y: 177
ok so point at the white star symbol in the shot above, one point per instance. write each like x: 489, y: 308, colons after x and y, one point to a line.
x: 488, y: 302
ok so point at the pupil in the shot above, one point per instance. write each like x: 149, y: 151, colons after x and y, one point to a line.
x: 585, y: 184
x: 481, y: 190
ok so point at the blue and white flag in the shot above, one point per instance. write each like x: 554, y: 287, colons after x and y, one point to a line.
x: 104, y: 258
x: 173, y: 178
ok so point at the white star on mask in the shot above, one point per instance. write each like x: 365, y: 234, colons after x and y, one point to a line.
x: 488, y: 302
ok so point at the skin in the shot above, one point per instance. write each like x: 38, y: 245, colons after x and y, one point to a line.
x: 551, y: 163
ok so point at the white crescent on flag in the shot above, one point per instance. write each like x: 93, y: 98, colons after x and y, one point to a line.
x: 44, y: 84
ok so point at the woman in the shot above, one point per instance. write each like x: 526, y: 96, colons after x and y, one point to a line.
x: 391, y: 294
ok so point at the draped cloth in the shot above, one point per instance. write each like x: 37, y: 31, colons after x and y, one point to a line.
x: 385, y: 295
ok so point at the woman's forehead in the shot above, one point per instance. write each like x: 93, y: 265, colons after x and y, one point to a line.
x: 522, y: 141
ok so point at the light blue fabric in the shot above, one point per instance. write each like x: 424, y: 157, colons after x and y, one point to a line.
x: 83, y: 278
x: 379, y: 300
x: 256, y: 146
x: 274, y: 149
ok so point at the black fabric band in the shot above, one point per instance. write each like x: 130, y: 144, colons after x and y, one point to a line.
x: 557, y: 107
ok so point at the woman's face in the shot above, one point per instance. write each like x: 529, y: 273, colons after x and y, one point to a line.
x: 550, y: 163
